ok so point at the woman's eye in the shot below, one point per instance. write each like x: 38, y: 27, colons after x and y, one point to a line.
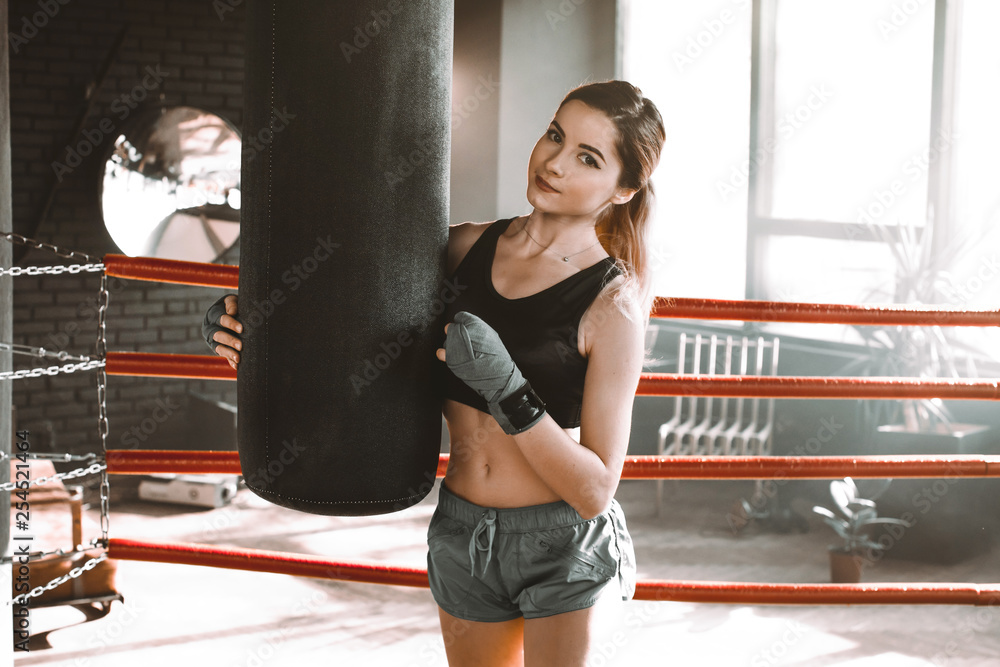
x: 554, y: 136
x: 589, y: 160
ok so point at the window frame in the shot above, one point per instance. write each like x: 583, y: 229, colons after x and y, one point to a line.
x: 947, y: 23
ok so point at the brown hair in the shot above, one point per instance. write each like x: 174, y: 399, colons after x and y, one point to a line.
x: 624, y: 228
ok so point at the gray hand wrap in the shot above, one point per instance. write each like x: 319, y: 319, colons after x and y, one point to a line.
x: 477, y: 356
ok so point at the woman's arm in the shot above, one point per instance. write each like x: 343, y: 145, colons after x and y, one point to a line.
x: 461, y: 237
x: 587, y: 477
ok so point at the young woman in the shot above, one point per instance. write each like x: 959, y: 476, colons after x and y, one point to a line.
x: 543, y: 348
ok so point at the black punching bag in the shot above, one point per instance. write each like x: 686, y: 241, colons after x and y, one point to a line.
x: 344, y: 228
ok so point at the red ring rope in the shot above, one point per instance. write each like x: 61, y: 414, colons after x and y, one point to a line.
x: 636, y: 467
x: 148, y: 364
x: 650, y: 384
x: 669, y: 384
x: 820, y: 313
x: 220, y: 275
x: 172, y: 271
x: 257, y: 560
x: 304, y: 565
x: 869, y: 593
x: 145, y: 462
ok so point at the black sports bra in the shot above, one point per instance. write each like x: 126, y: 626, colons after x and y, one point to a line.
x: 540, y: 330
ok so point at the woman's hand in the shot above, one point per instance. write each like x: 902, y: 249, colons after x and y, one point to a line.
x: 221, y: 329
x: 477, y: 356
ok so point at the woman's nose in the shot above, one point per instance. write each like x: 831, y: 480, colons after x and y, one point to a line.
x: 554, y: 164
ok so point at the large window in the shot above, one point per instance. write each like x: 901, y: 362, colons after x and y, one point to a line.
x: 813, y: 143
x: 693, y: 60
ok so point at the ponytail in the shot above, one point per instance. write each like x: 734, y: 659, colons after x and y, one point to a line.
x: 624, y: 232
x: 623, y: 229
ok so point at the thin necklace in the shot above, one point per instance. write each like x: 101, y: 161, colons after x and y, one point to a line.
x: 565, y: 258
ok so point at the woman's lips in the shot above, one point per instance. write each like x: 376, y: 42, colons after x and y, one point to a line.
x: 543, y: 186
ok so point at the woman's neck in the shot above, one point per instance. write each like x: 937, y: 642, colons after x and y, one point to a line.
x: 562, y: 236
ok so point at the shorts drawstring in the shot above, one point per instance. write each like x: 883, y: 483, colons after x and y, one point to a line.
x: 488, y: 524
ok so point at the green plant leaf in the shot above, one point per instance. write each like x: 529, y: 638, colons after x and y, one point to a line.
x: 886, y: 521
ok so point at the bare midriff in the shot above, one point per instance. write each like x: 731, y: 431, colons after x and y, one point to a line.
x: 485, y: 466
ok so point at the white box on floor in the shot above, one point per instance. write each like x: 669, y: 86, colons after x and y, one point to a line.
x: 200, y: 490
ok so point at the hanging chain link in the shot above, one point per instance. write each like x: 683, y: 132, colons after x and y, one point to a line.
x: 98, y: 363
x: 72, y: 574
x: 52, y: 370
x: 51, y: 270
x: 68, y: 254
x: 66, y: 458
x: 39, y: 555
x: 84, y: 363
x: 102, y: 402
x: 59, y: 476
x: 41, y: 352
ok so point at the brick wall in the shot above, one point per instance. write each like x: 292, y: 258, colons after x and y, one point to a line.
x: 57, y: 49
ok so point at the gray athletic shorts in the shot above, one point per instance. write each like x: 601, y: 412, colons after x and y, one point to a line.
x: 497, y: 564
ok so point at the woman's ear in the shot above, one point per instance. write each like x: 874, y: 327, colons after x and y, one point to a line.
x: 623, y: 196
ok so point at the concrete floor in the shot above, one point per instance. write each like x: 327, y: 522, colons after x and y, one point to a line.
x: 185, y: 615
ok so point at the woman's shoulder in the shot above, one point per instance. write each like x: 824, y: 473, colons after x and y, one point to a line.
x: 461, y: 237
x: 614, y: 315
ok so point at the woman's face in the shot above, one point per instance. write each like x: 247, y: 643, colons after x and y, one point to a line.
x: 576, y: 157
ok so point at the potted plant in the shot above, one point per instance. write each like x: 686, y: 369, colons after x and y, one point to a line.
x: 852, y: 522
x: 924, y: 274
x: 921, y: 277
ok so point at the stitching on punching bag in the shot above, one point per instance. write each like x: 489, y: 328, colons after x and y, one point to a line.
x: 333, y: 502
x: 267, y: 268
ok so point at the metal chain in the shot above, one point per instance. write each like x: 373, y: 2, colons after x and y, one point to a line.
x: 52, y: 370
x: 69, y: 254
x: 89, y: 456
x: 41, y: 352
x: 102, y: 402
x: 102, y: 427
x: 71, y: 474
x: 72, y: 574
x: 51, y: 270
x: 38, y: 555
